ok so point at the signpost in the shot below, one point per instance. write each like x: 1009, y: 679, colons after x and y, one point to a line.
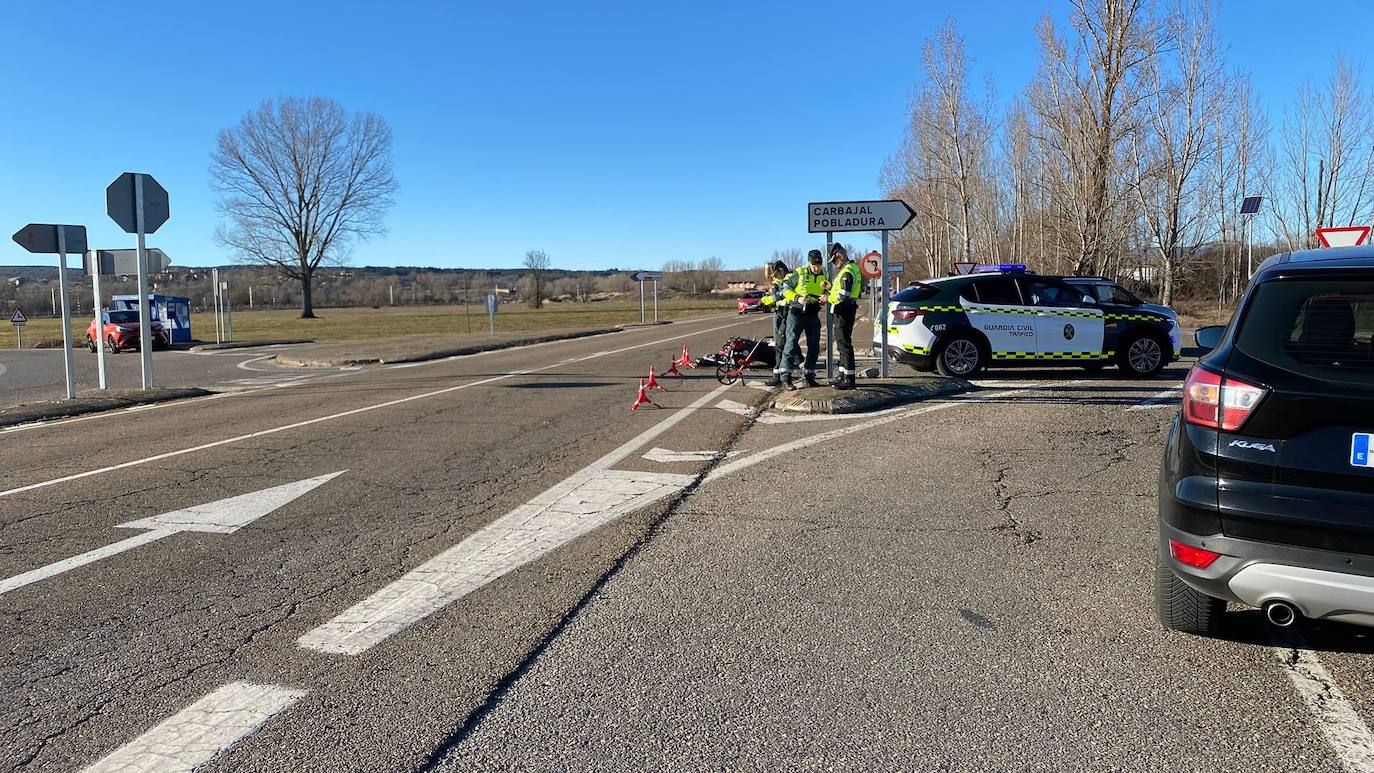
x: 61, y: 239
x: 828, y: 217
x: 1350, y: 236
x: 139, y: 205
x: 642, y: 277
x: 493, y: 303
x: 100, y: 263
x: 19, y: 321
x: 963, y: 267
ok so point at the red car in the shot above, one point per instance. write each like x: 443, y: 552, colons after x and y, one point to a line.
x: 750, y: 301
x: 121, y: 332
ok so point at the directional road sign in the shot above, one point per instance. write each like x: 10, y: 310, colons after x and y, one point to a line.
x: 895, y: 268
x: 19, y: 320
x: 121, y: 205
x: 125, y: 262
x: 42, y: 238
x: 644, y: 276
x: 1349, y: 236
x: 830, y: 216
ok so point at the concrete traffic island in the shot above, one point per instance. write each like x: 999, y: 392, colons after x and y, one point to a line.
x: 92, y: 402
x: 869, y: 394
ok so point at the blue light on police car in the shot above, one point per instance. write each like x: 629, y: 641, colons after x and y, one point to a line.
x: 1001, y: 267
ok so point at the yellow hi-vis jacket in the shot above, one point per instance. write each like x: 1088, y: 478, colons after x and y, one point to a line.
x: 802, y: 283
x: 848, y: 284
x: 775, y: 293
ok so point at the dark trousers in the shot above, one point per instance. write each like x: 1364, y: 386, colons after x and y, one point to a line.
x: 844, y: 313
x: 802, y: 323
x: 779, y: 338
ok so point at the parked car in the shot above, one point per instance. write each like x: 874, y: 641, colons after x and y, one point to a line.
x: 751, y: 300
x: 1110, y: 293
x: 118, y: 331
x: 1266, y: 490
x: 960, y: 325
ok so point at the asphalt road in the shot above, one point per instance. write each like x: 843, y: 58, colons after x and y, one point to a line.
x: 30, y: 375
x: 490, y: 563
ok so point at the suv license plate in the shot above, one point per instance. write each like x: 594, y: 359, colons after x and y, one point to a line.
x: 1361, y: 444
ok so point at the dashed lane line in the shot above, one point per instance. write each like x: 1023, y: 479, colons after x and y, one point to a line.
x: 585, y: 501
x: 200, y: 732
x: 344, y: 414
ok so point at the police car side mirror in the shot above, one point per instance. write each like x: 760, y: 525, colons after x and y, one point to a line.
x: 1088, y: 300
x: 1209, y: 338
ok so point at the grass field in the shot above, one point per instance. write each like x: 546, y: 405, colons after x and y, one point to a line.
x: 392, y: 321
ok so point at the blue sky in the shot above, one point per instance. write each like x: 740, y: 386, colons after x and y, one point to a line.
x: 609, y: 134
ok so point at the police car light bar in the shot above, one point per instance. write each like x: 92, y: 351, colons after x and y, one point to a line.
x: 1000, y: 267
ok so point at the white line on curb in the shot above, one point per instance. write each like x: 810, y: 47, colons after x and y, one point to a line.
x: 200, y: 732
x: 585, y: 501
x: 344, y: 414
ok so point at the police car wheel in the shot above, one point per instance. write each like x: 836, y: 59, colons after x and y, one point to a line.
x: 1142, y: 356
x: 961, y: 356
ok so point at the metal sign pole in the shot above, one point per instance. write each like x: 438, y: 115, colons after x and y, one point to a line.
x: 145, y: 320
x: 882, y: 312
x: 214, y: 293
x: 228, y: 315
x: 641, y: 301
x: 99, y: 320
x: 66, y: 311
x: 655, y: 301
x: 829, y: 318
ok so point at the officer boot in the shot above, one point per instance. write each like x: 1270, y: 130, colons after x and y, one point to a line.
x: 810, y: 379
x: 774, y: 381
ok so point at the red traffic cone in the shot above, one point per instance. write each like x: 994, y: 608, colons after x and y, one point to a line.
x: 643, y: 398
x: 653, y: 382
x: 687, y: 358
x: 672, y: 370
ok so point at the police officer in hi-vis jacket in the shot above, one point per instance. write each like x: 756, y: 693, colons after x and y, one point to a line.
x: 804, y: 290
x: 845, y: 290
x: 773, y: 296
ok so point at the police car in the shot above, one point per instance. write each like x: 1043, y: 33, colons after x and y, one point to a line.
x: 960, y: 325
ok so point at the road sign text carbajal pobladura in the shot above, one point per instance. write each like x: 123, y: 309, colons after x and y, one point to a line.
x: 845, y: 217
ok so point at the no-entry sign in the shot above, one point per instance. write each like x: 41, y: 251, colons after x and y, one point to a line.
x: 871, y: 265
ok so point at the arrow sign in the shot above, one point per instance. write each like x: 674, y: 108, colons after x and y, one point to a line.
x: 831, y: 216
x: 126, y: 261
x: 644, y: 276
x: 1352, y: 236
x: 42, y: 238
x: 223, y: 517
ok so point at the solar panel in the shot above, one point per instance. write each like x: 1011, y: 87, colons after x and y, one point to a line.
x: 1250, y: 205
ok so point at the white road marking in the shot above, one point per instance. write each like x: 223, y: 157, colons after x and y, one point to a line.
x: 590, y: 498
x: 1166, y: 399
x: 734, y: 407
x: 341, y: 414
x: 667, y: 456
x: 200, y: 732
x: 247, y: 364
x: 225, y: 516
x: 1347, y: 735
x: 743, y: 462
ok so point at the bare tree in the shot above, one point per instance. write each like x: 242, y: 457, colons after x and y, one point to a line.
x: 300, y: 181
x: 536, y: 263
x: 708, y: 272
x: 1171, y: 151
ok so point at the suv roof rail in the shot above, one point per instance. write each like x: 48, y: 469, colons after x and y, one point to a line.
x: 1330, y: 253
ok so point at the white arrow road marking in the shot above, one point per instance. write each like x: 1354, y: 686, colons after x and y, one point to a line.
x: 200, y: 732
x: 667, y: 456
x: 590, y: 498
x: 225, y: 516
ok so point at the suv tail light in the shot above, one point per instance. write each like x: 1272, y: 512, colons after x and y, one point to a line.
x: 907, y: 313
x: 1187, y: 554
x: 1219, y: 402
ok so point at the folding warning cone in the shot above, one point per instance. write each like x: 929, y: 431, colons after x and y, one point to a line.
x: 672, y: 370
x: 642, y: 398
x: 653, y: 382
x: 687, y: 358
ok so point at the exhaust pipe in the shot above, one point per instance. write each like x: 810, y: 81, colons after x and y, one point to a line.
x: 1281, y: 614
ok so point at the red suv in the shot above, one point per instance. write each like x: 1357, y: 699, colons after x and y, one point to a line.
x: 750, y: 301
x: 121, y: 332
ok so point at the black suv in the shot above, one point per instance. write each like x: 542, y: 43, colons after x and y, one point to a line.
x: 1266, y: 491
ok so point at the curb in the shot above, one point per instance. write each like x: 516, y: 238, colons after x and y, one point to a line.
x: 47, y: 410
x: 248, y: 344
x: 291, y: 360
x: 869, y: 395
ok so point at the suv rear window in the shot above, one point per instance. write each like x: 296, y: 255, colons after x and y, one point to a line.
x: 916, y: 293
x: 1319, y: 329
